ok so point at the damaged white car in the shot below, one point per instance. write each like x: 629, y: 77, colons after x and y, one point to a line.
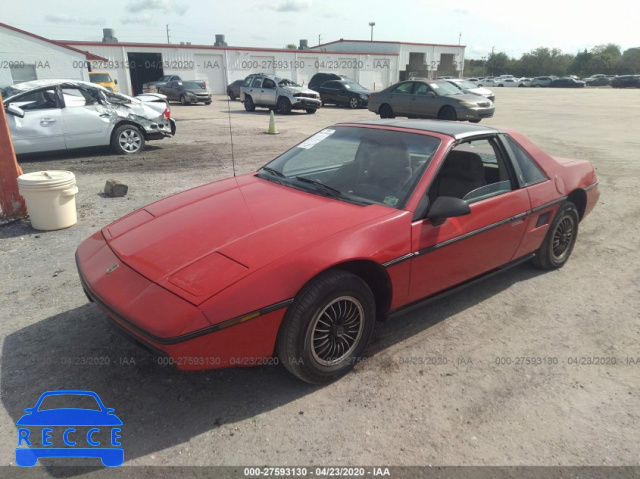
x: 48, y: 115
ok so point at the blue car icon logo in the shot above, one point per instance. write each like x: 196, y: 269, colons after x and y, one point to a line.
x: 89, y: 430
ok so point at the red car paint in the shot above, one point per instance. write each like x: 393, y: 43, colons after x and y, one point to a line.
x: 206, y: 276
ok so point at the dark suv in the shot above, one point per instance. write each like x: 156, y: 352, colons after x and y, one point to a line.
x: 344, y: 92
x: 626, y: 81
x: 319, y: 78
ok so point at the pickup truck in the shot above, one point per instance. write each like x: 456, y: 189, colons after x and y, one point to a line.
x: 268, y: 91
x: 154, y: 86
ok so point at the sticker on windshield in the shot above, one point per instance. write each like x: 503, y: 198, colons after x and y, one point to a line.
x: 391, y: 200
x: 315, y: 139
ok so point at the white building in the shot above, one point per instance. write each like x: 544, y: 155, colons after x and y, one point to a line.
x: 25, y: 56
x: 414, y: 59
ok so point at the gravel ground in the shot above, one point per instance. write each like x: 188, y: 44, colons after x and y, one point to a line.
x: 395, y: 408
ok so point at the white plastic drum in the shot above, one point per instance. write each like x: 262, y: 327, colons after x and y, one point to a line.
x: 50, y: 198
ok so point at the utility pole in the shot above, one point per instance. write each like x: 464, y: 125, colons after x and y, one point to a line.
x: 168, y: 33
x: 372, y: 24
x: 319, y: 39
x: 492, y: 61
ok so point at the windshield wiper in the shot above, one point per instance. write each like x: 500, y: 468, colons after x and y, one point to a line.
x: 277, y: 173
x: 330, y: 189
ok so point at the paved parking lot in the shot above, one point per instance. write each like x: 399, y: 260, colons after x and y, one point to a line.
x: 395, y: 409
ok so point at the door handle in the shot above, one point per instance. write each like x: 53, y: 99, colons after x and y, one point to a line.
x: 105, y: 115
x: 47, y: 120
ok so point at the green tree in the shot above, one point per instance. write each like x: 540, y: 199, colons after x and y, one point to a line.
x: 630, y: 62
x: 497, y: 63
x: 291, y: 46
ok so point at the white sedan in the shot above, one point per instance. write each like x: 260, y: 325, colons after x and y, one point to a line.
x: 469, y: 87
x: 509, y: 82
x: 48, y: 115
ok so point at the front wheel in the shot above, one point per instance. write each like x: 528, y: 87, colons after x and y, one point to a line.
x: 560, y: 239
x: 447, y: 113
x: 311, y: 111
x: 327, y: 327
x: 248, y: 103
x: 183, y: 100
x: 284, y: 106
x: 354, y: 103
x: 127, y: 140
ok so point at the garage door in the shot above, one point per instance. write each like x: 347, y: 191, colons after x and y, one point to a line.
x: 380, y: 73
x: 263, y: 64
x: 210, y: 68
x: 306, y: 69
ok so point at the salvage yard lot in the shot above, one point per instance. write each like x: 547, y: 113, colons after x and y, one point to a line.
x: 446, y: 384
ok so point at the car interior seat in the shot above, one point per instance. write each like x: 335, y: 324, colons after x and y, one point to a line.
x: 461, y: 173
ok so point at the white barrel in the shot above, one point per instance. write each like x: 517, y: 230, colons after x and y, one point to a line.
x: 50, y: 197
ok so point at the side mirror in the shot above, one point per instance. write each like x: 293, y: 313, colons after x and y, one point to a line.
x: 447, y: 207
x: 115, y: 80
x: 15, y: 110
x: 430, y: 94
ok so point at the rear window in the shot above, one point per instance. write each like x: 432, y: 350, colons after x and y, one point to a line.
x: 529, y: 173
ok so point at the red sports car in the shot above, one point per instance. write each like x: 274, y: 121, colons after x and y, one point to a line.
x: 361, y: 221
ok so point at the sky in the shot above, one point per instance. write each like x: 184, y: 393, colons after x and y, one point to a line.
x: 514, y: 27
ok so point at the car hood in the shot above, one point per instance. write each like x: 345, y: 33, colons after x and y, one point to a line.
x: 201, y: 241
x: 468, y: 97
x: 196, y: 91
x: 297, y: 89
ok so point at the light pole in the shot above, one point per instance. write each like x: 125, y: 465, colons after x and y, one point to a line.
x: 372, y: 24
x: 483, y: 60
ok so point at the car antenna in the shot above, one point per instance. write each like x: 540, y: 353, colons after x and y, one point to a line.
x: 233, y: 160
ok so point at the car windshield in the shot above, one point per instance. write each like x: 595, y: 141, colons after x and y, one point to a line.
x: 100, y: 77
x: 358, y: 165
x: 65, y: 401
x: 466, y: 84
x: 445, y: 88
x: 354, y: 86
x: 191, y: 85
x: 286, y: 82
x: 117, y: 98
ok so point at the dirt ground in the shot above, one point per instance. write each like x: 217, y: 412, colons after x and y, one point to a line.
x: 396, y: 408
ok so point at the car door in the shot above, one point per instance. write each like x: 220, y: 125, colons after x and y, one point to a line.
x: 85, y: 120
x: 268, y: 92
x: 169, y: 89
x: 41, y: 128
x: 256, y: 90
x: 468, y: 246
x: 400, y: 98
x: 329, y: 91
x: 425, y: 102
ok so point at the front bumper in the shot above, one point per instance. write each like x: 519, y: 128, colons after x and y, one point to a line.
x: 475, y: 113
x: 167, y: 326
x: 304, y: 103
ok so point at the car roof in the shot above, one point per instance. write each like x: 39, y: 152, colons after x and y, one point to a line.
x: 35, y: 84
x: 455, y: 129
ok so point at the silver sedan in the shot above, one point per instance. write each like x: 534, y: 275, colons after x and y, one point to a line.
x: 430, y: 99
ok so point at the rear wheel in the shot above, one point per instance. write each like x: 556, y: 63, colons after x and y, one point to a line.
x: 327, y: 328
x: 386, y: 111
x: 232, y: 96
x: 474, y: 121
x: 248, y: 103
x: 560, y: 240
x: 447, y: 113
x: 127, y: 139
x: 284, y: 106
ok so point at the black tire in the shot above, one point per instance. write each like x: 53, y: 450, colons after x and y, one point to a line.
x: 560, y: 239
x: 284, y: 106
x: 232, y: 96
x: 335, y: 303
x: 354, y: 103
x: 127, y: 140
x: 386, y: 111
x: 207, y: 103
x: 447, y: 113
x: 474, y: 121
x: 248, y: 103
x: 183, y: 100
x: 311, y: 111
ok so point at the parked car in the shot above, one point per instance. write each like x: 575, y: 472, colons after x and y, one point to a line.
x: 468, y: 87
x: 509, y: 82
x: 233, y: 89
x: 344, y: 93
x: 525, y: 81
x: 431, y: 99
x: 626, y: 81
x: 48, y: 115
x: 319, y: 78
x: 358, y: 223
x: 567, y: 83
x: 486, y: 81
x: 186, y: 92
x: 473, y: 80
x: 282, y: 94
x: 154, y: 86
x: 104, y: 79
x: 597, y: 80
x: 541, y: 81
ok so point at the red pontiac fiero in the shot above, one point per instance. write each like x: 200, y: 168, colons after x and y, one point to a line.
x: 361, y: 221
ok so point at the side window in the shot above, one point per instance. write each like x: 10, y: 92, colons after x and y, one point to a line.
x: 257, y: 82
x: 38, y: 100
x: 268, y: 83
x: 247, y: 81
x: 472, y: 171
x: 422, y: 89
x: 74, y: 97
x: 529, y: 173
x: 403, y: 88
